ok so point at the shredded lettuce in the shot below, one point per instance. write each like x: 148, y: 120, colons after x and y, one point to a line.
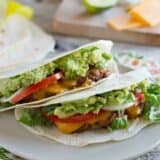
x: 152, y: 114
x: 152, y: 95
x: 154, y: 88
x: 5, y: 155
x: 5, y: 104
x: 152, y: 102
x: 119, y: 123
x: 32, y: 117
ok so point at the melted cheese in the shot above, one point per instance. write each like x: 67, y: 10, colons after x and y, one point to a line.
x: 147, y: 12
x: 68, y: 128
x: 55, y: 88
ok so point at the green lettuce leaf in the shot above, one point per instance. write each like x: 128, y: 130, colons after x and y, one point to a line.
x: 152, y: 114
x: 119, y: 123
x: 152, y: 103
x: 32, y: 117
x: 154, y: 88
x: 5, y: 104
x: 152, y: 95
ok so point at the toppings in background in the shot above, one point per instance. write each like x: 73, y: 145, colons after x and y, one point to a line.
x: 144, y: 14
x: 94, y: 6
x: 133, y: 60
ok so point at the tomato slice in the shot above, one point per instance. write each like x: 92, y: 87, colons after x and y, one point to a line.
x: 140, y: 97
x: 76, y: 118
x: 35, y: 87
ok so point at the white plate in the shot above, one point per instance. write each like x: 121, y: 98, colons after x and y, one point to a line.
x: 21, y: 142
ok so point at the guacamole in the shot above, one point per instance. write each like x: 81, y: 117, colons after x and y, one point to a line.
x: 77, y: 64
x: 27, y: 79
x: 119, y: 97
x: 92, y: 104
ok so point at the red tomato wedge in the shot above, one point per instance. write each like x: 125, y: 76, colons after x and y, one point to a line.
x: 75, y: 118
x: 140, y: 97
x: 35, y: 87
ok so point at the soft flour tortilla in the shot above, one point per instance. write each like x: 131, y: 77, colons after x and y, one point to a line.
x: 105, y: 46
x: 93, y: 136
x: 22, y: 42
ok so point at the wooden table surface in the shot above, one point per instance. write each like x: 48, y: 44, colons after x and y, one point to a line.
x: 44, y: 11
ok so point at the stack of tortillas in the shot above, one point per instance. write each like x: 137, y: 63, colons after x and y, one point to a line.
x: 21, y: 41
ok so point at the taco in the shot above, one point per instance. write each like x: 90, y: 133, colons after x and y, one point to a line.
x: 61, y: 74
x: 116, y: 109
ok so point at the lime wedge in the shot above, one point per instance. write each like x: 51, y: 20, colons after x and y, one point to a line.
x: 94, y: 6
x: 17, y: 8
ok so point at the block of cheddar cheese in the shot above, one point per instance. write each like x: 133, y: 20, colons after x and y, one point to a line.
x: 124, y: 22
x: 148, y: 12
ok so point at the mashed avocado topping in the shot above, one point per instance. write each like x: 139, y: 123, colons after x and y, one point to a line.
x: 119, y: 97
x: 27, y: 79
x: 84, y: 106
x: 77, y: 64
x: 92, y: 104
x: 73, y: 65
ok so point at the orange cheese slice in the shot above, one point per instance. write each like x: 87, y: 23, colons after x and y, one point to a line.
x: 148, y: 11
x: 124, y: 22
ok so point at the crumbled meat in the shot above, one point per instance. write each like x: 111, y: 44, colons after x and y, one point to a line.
x: 97, y: 74
x: 104, y: 73
x: 81, y: 80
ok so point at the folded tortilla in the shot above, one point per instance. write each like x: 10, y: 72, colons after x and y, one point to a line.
x: 92, y: 136
x: 22, y: 43
x: 98, y: 52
